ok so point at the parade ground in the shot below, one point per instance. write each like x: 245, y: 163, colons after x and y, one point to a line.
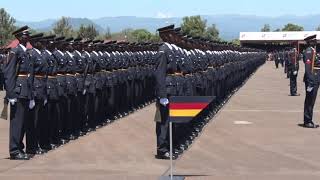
x: 255, y: 136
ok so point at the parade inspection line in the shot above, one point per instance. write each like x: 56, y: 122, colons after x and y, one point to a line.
x: 255, y: 136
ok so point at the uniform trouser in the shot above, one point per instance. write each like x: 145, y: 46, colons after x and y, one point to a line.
x: 276, y: 63
x: 285, y: 68
x: 111, y: 102
x: 81, y: 110
x: 104, y: 104
x: 293, y: 83
x: 18, y: 115
x: 136, y: 93
x: 140, y: 92
x: 97, y: 107
x: 309, y: 103
x: 36, y: 126
x: 54, y: 121
x: 71, y: 114
x: 63, y: 116
x: 1, y: 80
x: 122, y: 97
x: 90, y: 109
x: 108, y: 112
x: 162, y: 130
x: 117, y: 102
x: 129, y: 93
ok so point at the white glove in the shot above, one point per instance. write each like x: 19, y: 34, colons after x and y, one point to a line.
x: 84, y: 92
x: 32, y: 103
x: 13, y: 101
x: 309, y: 89
x: 295, y: 72
x: 45, y: 102
x: 164, y: 101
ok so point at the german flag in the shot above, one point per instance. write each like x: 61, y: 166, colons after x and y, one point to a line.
x: 183, y: 109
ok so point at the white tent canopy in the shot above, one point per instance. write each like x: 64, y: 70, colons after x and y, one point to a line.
x: 276, y: 36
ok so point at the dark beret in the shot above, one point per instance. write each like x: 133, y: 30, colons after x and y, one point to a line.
x: 69, y: 39
x: 95, y: 41
x: 87, y: 41
x: 59, y: 38
x: 77, y: 39
x: 177, y: 29
x: 49, y: 37
x: 36, y: 36
x: 166, y: 28
x: 309, y: 38
x: 20, y: 31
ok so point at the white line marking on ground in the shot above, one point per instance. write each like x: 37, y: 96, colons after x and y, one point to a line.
x: 242, y: 122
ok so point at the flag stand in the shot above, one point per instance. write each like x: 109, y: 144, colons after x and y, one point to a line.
x: 171, y: 176
x: 178, y: 103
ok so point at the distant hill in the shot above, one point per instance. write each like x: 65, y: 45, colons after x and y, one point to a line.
x: 47, y: 25
x: 228, y: 25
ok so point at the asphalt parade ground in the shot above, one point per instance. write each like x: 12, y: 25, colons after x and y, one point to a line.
x: 255, y: 136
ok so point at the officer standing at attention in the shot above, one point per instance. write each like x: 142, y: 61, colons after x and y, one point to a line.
x: 311, y: 79
x: 37, y: 114
x: 18, y: 75
x: 293, y: 68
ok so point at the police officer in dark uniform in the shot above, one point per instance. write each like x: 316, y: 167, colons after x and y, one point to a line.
x: 80, y: 67
x: 293, y: 68
x: 61, y: 88
x: 90, y: 87
x: 311, y: 79
x: 18, y: 75
x: 53, y: 123
x: 71, y: 88
x: 37, y: 116
x: 165, y: 86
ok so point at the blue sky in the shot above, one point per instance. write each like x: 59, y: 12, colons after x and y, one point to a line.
x: 35, y: 10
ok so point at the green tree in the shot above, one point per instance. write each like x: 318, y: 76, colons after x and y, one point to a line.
x: 266, y: 28
x: 124, y: 35
x: 277, y: 30
x: 236, y: 42
x: 194, y: 25
x: 318, y: 28
x: 87, y: 32
x: 6, y: 27
x: 107, y: 35
x: 155, y: 38
x: 212, y: 33
x: 292, y: 27
x: 63, y: 27
x: 140, y: 35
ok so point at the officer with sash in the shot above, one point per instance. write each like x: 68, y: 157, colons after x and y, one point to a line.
x: 311, y: 80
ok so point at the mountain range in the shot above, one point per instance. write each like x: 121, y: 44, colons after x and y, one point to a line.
x: 229, y: 25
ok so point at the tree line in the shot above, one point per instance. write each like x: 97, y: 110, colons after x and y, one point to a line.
x: 287, y: 27
x: 193, y: 25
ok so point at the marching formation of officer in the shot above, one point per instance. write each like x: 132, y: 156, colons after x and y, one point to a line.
x: 193, y: 66
x: 62, y: 88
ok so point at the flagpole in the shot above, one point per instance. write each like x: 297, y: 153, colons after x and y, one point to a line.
x: 171, y: 159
